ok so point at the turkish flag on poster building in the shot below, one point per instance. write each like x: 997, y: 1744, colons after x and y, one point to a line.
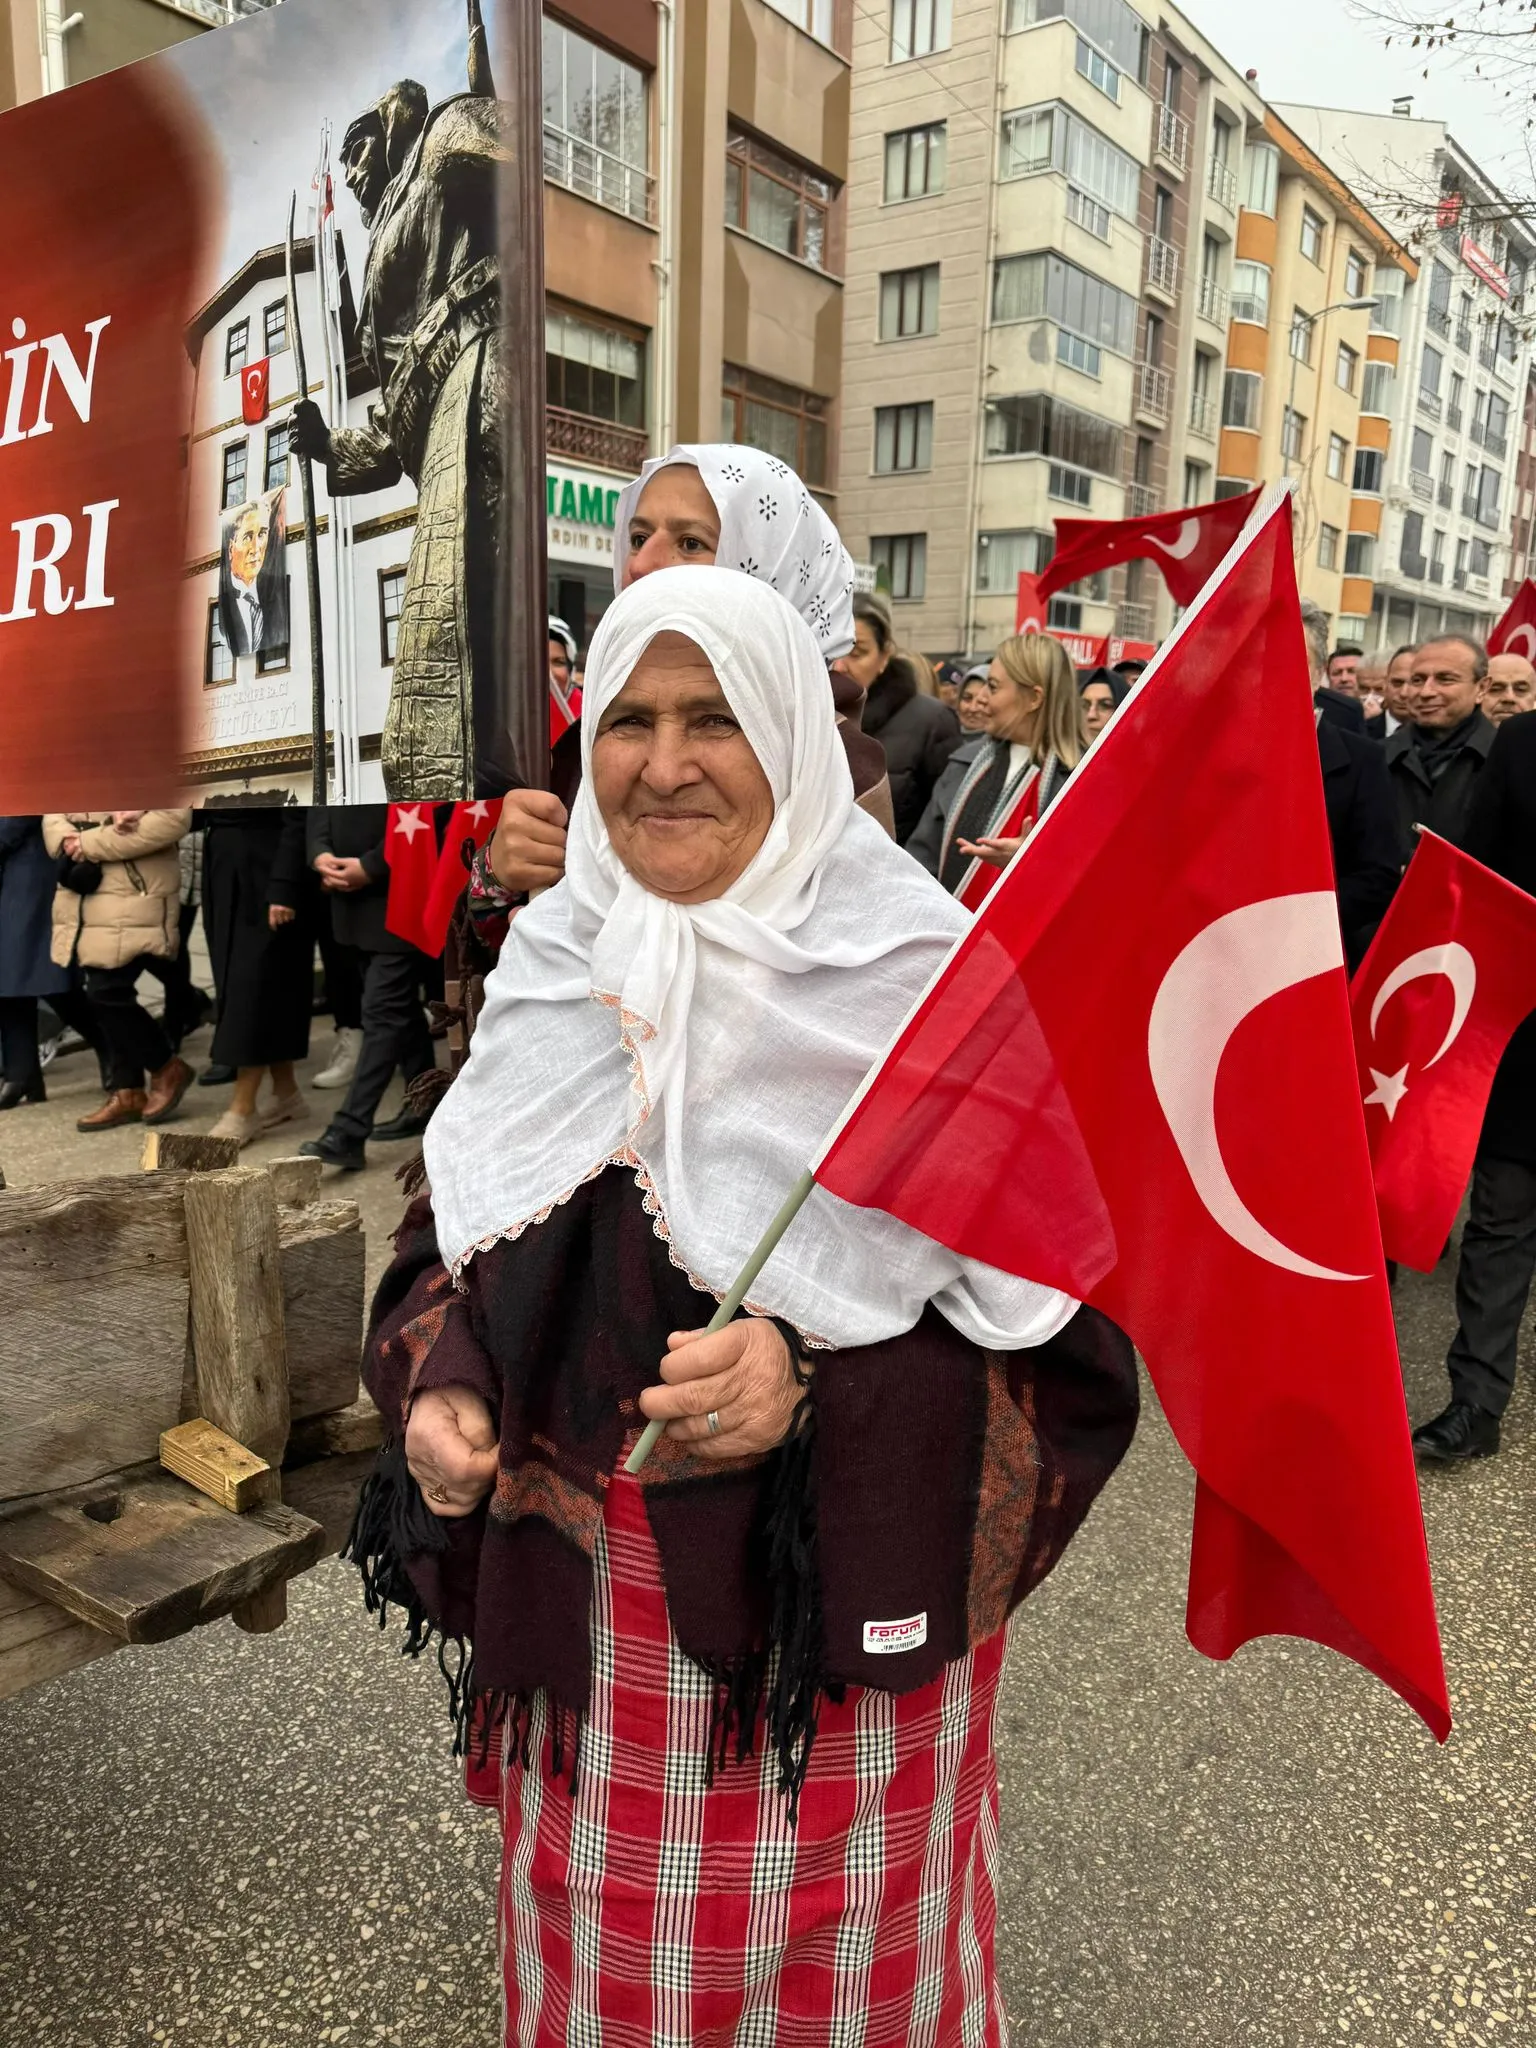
x: 1516, y: 631
x: 254, y: 380
x: 1029, y: 606
x: 1187, y: 545
x: 470, y: 826
x: 410, y: 847
x: 1450, y: 975
x: 1136, y: 1081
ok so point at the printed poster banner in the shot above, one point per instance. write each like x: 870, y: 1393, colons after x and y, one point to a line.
x: 171, y: 351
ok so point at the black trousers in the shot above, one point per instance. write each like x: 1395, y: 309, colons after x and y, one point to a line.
x: 395, y: 1034
x: 137, y: 1044
x: 1493, y: 1282
x: 184, y: 1005
x: 343, y: 967
x: 20, y: 1063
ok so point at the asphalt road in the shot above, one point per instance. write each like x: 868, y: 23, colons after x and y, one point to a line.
x: 239, y: 1841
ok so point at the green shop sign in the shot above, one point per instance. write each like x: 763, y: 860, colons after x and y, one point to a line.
x: 579, y: 504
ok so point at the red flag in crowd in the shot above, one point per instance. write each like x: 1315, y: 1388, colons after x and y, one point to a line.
x: 1135, y: 1081
x: 470, y: 826
x: 1449, y: 976
x: 1516, y: 631
x: 1029, y: 606
x: 410, y: 847
x: 564, y: 710
x: 1187, y: 545
x: 254, y: 381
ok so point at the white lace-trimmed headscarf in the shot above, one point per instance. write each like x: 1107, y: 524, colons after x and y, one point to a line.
x: 770, y: 527
x: 710, y: 1047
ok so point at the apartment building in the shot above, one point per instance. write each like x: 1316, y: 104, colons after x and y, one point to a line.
x: 694, y: 163
x: 1312, y: 364
x: 1446, y: 486
x: 1522, y: 548
x: 47, y: 46
x: 1041, y: 234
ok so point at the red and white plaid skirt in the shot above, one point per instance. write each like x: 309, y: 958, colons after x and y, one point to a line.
x: 651, y: 1909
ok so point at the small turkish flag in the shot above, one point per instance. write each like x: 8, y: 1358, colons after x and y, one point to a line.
x: 1449, y: 976
x: 470, y: 826
x: 1029, y: 607
x: 254, y: 379
x: 410, y: 847
x: 1516, y: 631
x: 1187, y: 546
x: 564, y: 710
x: 1135, y: 1081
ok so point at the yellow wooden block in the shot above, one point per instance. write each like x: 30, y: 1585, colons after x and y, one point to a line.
x: 216, y: 1465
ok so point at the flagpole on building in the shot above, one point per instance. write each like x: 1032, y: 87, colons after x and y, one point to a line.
x: 311, y: 539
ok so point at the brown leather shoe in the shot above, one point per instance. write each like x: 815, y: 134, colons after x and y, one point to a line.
x: 166, y: 1090
x: 122, y: 1106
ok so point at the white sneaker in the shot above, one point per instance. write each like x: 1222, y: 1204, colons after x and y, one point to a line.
x: 343, y: 1063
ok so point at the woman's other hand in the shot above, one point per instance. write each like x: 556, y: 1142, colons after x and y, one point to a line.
x: 279, y: 914
x: 995, y: 852
x: 743, y: 1373
x: 528, y: 845
x: 450, y: 1448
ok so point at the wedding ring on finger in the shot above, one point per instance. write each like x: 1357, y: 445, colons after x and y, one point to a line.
x: 438, y: 1493
x: 713, y: 1419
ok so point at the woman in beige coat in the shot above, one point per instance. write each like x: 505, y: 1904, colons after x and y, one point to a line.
x: 115, y: 910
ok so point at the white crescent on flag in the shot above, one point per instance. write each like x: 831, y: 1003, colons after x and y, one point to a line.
x: 1522, y: 640
x: 1225, y: 972
x: 1451, y: 960
x: 1184, y: 542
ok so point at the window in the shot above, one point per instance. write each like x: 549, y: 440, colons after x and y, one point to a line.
x: 1430, y: 365
x: 272, y: 659
x: 1360, y: 554
x: 391, y: 591
x: 918, y: 27
x: 1088, y: 213
x: 1073, y: 353
x: 778, y: 418
x: 218, y: 662
x: 1346, y: 367
x: 1355, y: 274
x: 598, y: 372
x: 1232, y: 487
x: 1437, y: 558
x: 1097, y: 69
x: 1489, y: 487
x: 1459, y: 574
x: 814, y: 16
x: 1250, y: 293
x: 1071, y: 486
x: 904, y: 558
x: 1479, y: 559
x: 1049, y: 287
x: 1447, y: 477
x: 276, y: 471
x: 1387, y: 289
x: 1263, y: 178
x: 1293, y: 429
x: 1002, y: 558
x: 1376, y: 388
x: 1410, y: 555
x: 1338, y: 457
x: 1421, y: 451
x: 1240, y: 397
x: 1195, y: 474
x: 596, y: 124
x: 1311, y: 235
x: 1439, y: 298
x: 274, y: 328
x: 1369, y: 463
x: 1117, y: 29
x: 234, y: 475
x: 1052, y: 139
x: 909, y: 302
x: 775, y: 201
x: 903, y: 437
x: 1301, y: 335
x: 236, y: 346
x: 1327, y: 547
x: 1035, y: 424
x: 914, y: 162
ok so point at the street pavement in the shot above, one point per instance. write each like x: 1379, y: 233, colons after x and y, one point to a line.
x: 237, y: 1841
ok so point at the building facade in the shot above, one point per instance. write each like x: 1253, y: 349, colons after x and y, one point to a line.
x: 1447, y: 484
x: 47, y: 44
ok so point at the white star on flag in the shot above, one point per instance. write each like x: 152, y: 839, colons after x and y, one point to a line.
x: 408, y: 822
x: 478, y: 813
x: 1389, y: 1090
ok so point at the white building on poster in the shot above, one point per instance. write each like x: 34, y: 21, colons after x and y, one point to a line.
x: 250, y: 730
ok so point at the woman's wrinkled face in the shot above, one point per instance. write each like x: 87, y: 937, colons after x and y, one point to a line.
x: 674, y: 525
x: 683, y: 796
x: 975, y: 716
x: 1098, y: 708
x: 1012, y: 708
x: 866, y: 661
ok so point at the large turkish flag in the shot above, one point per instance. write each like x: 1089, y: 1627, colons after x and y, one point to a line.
x: 410, y: 847
x: 1516, y: 631
x: 1450, y: 975
x: 1136, y: 1081
x: 1187, y: 545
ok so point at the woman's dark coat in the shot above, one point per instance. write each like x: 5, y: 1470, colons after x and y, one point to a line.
x: 264, y: 978
x: 27, y: 883
x: 918, y: 734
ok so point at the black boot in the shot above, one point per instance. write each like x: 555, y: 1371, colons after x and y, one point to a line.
x: 14, y: 1093
x: 1460, y: 1432
x: 337, y: 1150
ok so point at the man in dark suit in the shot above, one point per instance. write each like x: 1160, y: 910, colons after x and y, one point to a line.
x: 1362, y: 824
x: 1435, y: 762
x: 1335, y: 705
x: 1498, y: 1245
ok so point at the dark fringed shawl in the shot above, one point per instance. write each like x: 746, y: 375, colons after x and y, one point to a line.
x: 921, y: 1476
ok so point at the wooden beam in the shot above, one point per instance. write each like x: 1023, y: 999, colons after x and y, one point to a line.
x: 296, y: 1180
x: 324, y: 1263
x: 237, y: 1308
x: 337, y: 1435
x: 216, y: 1465
x: 39, y: 1641
x: 188, y: 1152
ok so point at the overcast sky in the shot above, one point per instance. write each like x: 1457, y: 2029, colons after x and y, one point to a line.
x: 1322, y: 53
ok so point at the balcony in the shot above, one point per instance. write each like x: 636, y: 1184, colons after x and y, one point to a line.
x: 1221, y: 183
x: 1140, y: 500
x: 1202, y: 415
x: 1438, y: 320
x: 593, y: 174
x: 1487, y: 354
x: 1453, y: 418
x: 1437, y: 572
x: 1135, y: 622
x: 1478, y: 585
x: 1429, y: 404
x: 1469, y: 504
x: 1214, y: 300
x: 1414, y: 566
x: 1446, y: 496
x: 1495, y: 443
x: 1170, y: 139
x: 1251, y: 306
x: 1458, y: 579
x: 1162, y: 268
x: 599, y: 442
x: 1153, y: 392
x: 1464, y: 340
x: 1422, y: 486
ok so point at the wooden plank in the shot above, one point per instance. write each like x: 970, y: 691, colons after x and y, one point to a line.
x: 216, y: 1465
x: 39, y: 1641
x: 237, y: 1307
x: 188, y: 1152
x: 296, y: 1181
x: 93, y: 1310
x: 324, y: 1264
x: 166, y: 1561
x: 337, y: 1435
x: 327, y: 1493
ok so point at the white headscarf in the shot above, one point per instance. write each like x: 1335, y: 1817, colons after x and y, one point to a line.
x: 770, y: 527
x: 711, y: 1046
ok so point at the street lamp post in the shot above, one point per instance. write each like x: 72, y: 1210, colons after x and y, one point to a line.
x: 1311, y: 319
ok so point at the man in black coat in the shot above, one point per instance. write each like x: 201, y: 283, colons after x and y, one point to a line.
x: 1435, y: 762
x: 1498, y: 1245
x: 345, y: 847
x: 1362, y: 824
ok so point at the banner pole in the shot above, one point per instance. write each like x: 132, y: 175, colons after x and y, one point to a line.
x: 794, y: 1201
x: 311, y: 538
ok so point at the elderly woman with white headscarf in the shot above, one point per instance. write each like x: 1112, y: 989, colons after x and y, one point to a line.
x: 739, y: 1707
